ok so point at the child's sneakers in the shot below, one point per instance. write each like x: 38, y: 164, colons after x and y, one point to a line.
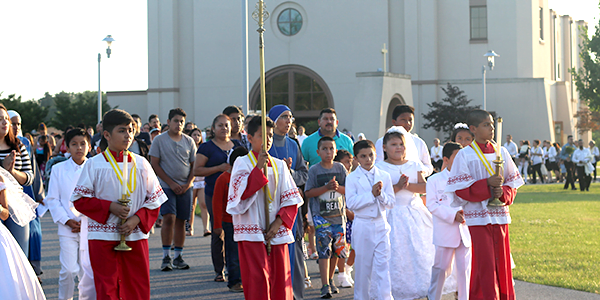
x: 334, y: 289
x: 325, y: 292
x: 343, y: 279
x: 166, y: 264
x: 178, y: 263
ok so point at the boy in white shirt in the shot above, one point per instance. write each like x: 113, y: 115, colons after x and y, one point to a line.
x: 368, y: 193
x: 451, y: 235
x: 72, y: 234
x: 537, y: 159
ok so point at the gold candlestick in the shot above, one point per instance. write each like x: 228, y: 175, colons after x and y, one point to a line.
x: 499, y: 171
x: 122, y: 246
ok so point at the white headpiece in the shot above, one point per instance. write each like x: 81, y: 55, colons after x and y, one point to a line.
x: 410, y: 149
x: 461, y: 125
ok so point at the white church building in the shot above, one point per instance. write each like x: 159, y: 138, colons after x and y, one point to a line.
x: 330, y: 54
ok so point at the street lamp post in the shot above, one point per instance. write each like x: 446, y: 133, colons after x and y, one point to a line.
x: 490, y: 58
x: 108, y: 39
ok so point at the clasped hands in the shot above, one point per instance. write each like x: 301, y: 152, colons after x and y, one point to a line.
x: 122, y: 212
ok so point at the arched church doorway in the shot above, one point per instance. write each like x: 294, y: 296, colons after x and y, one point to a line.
x: 298, y: 87
x: 396, y: 100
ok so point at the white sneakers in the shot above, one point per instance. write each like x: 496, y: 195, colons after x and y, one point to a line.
x: 345, y: 278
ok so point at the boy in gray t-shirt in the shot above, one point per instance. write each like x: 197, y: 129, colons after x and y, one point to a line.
x: 172, y: 157
x: 325, y: 188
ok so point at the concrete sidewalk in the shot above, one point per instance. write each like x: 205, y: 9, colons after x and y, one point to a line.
x: 197, y: 282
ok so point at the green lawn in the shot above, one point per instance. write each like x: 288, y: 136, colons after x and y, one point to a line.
x: 555, y: 236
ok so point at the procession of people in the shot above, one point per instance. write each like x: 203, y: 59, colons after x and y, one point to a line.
x: 396, y: 219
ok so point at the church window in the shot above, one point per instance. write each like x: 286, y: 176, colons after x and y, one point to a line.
x: 478, y: 22
x: 289, y: 21
x: 300, y: 88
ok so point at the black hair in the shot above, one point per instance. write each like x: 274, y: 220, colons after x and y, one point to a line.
x: 232, y: 109
x: 136, y: 116
x: 152, y: 116
x: 476, y: 116
x: 255, y: 124
x: 112, y: 119
x: 364, y: 144
x: 394, y: 134
x: 324, y: 139
x: 176, y: 112
x: 328, y: 110
x: 401, y: 109
x: 77, y: 132
x: 536, y: 141
x: 460, y: 129
x: 214, y: 122
x: 525, y: 142
x: 341, y: 154
x: 189, y: 132
x: 569, y: 136
x: 449, y: 148
x: 239, y: 151
x: 69, y: 127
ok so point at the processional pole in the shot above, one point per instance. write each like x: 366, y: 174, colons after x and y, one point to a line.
x: 260, y: 15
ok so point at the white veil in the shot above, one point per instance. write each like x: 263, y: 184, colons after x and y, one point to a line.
x: 410, y: 149
x: 20, y: 206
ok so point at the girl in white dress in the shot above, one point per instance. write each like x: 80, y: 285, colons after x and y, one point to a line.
x: 411, y: 236
x: 17, y: 278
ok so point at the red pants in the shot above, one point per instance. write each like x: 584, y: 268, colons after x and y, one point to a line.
x: 265, y: 277
x: 491, y: 276
x: 120, y: 274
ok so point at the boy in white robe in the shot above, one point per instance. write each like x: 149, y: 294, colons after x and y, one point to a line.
x: 474, y: 181
x: 451, y: 236
x: 71, y: 234
x: 368, y: 193
x: 119, y: 274
x: 265, y: 275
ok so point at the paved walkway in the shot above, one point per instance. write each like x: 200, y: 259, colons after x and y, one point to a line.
x: 197, y: 282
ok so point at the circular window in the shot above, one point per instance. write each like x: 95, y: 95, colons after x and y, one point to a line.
x: 289, y: 21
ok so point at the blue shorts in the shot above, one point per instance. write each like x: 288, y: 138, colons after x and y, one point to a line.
x: 179, y: 205
x: 331, y: 239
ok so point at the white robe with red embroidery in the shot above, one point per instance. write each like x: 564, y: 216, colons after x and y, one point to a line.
x: 467, y: 168
x: 98, y: 179
x: 248, y: 215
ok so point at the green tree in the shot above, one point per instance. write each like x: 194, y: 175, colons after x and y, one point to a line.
x: 454, y: 108
x: 77, y: 108
x: 32, y: 113
x: 587, y: 78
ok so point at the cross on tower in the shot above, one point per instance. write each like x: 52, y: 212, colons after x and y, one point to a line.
x: 384, y: 52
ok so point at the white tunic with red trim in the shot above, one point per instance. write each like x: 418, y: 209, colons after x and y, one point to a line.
x: 248, y: 215
x: 467, y: 168
x: 98, y: 179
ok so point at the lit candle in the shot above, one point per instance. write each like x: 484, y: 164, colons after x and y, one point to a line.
x: 498, y: 137
x: 125, y: 169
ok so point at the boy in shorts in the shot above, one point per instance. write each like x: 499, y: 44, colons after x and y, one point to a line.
x: 325, y: 188
x: 172, y: 156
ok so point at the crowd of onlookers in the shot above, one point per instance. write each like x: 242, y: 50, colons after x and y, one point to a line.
x: 548, y: 162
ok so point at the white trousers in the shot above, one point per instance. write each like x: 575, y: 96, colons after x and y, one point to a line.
x: 69, y: 266
x: 371, y: 243
x: 442, y: 266
x: 87, y: 289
